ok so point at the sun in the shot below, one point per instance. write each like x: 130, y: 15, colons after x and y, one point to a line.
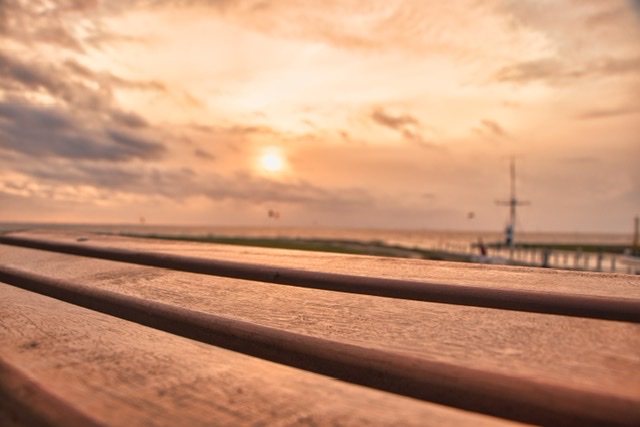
x: 272, y: 161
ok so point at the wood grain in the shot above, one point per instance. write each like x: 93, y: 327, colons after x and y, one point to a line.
x: 447, y: 383
x: 122, y: 373
x: 593, y: 356
x: 607, y: 308
x: 481, y: 275
x: 582, y: 353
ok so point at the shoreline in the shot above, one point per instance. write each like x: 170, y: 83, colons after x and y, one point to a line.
x: 344, y: 246
x: 376, y: 247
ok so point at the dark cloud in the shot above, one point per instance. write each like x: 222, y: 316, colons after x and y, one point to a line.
x: 59, y: 36
x: 143, y: 85
x: 18, y: 77
x: 81, y: 119
x: 202, y: 154
x: 110, y: 178
x: 32, y: 117
x: 394, y: 122
x: 600, y: 113
x: 131, y: 120
x: 490, y: 129
x: 131, y: 146
x: 407, y: 126
x: 557, y: 72
x: 15, y: 73
x: 545, y: 70
x: 256, y: 190
x: 492, y: 126
x: 45, y: 178
x: 47, y: 132
x: 68, y: 82
x: 100, y: 175
x: 636, y: 6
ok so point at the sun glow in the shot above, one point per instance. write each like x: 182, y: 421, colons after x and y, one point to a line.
x: 272, y: 161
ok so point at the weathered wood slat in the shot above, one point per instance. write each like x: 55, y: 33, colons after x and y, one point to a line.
x: 98, y: 369
x: 480, y: 275
x: 471, y: 389
x: 586, y: 353
x: 609, y: 308
x: 598, y: 355
x: 25, y: 402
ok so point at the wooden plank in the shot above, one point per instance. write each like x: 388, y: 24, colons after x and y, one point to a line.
x: 589, y: 355
x: 609, y: 308
x: 115, y: 372
x: 487, y: 276
x: 447, y: 383
x: 498, y: 339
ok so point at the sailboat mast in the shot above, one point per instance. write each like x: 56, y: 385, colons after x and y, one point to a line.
x: 513, y: 202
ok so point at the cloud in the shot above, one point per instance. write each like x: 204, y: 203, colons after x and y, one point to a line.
x: 636, y: 6
x: 593, y: 40
x: 393, y: 122
x: 558, y: 72
x: 69, y: 82
x: 531, y: 71
x: 35, y: 118
x: 110, y: 176
x: 492, y: 126
x: 54, y: 107
x: 612, y: 22
x: 407, y: 126
x: 251, y: 189
x: 131, y: 146
x: 128, y: 119
x: 415, y: 27
x: 15, y: 74
x: 62, y: 178
x: 490, y: 129
x: 51, y: 23
x: 38, y: 131
x: 600, y: 113
x: 203, y: 154
x: 110, y: 180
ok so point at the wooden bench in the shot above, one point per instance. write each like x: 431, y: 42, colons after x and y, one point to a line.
x: 105, y: 330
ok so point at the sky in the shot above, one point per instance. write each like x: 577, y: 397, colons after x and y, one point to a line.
x: 337, y: 113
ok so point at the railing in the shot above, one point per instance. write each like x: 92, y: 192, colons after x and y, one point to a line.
x: 544, y: 257
x: 572, y: 260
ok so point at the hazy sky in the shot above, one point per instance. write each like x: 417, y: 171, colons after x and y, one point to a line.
x: 377, y: 113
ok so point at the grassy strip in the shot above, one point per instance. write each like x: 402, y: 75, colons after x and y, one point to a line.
x: 320, y: 245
